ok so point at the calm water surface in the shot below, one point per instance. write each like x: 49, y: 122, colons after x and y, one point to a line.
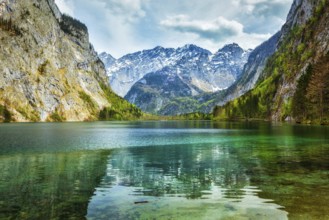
x: 163, y: 170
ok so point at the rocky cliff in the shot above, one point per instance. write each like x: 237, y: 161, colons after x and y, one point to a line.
x: 294, y: 83
x: 48, y: 69
x: 252, y: 70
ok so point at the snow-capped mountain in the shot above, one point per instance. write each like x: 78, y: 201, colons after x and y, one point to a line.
x: 152, y: 79
x: 127, y: 70
x: 206, y: 71
x: 107, y: 59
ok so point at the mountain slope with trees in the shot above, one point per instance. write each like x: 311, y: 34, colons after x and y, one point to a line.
x: 294, y: 84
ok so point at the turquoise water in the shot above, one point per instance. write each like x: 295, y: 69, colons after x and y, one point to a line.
x: 164, y: 170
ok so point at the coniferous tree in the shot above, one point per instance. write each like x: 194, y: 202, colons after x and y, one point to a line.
x: 299, y: 101
x: 318, y: 88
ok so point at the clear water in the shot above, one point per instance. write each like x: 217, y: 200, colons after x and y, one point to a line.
x: 164, y: 170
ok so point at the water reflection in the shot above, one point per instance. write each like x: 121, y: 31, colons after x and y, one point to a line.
x: 49, y: 186
x: 156, y: 182
x: 163, y: 170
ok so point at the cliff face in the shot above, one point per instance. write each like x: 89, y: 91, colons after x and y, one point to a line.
x: 252, y: 70
x: 302, y: 60
x: 48, y: 69
x: 294, y: 83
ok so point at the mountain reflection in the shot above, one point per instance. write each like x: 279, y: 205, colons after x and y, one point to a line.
x: 194, y: 178
x: 188, y: 171
x: 49, y: 186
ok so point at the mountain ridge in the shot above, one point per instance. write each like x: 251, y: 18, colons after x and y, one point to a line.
x: 194, y: 70
x: 132, y: 67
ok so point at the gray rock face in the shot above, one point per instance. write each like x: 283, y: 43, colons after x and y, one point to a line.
x: 191, y: 72
x: 107, y: 59
x: 252, y: 70
x: 47, y: 67
x: 205, y: 71
x: 299, y: 14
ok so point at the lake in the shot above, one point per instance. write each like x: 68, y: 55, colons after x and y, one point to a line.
x: 164, y: 170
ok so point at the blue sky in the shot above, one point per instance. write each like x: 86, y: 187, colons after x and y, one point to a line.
x: 125, y: 26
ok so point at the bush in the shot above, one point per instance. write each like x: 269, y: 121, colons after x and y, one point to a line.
x: 5, y: 114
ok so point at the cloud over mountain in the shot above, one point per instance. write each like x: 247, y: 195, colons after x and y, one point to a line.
x: 125, y: 26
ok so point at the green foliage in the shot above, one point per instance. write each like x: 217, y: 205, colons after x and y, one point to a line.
x: 120, y: 109
x: 56, y: 117
x: 87, y: 100
x: 254, y: 104
x: 107, y: 114
x: 307, y: 55
x: 309, y: 103
x: 5, y: 114
x: 194, y: 116
x: 317, y: 92
x: 299, y: 101
x: 33, y: 116
x: 300, y: 48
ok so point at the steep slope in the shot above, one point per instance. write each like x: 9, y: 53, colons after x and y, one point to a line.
x: 48, y: 69
x: 253, y: 69
x: 295, y: 81
x: 212, y: 72
x: 197, y: 72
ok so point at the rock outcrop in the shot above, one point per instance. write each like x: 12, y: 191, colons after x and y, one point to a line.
x: 48, y: 69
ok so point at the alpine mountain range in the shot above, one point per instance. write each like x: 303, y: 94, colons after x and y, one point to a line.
x: 154, y: 79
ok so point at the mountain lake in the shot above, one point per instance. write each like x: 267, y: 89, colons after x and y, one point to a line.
x: 164, y: 170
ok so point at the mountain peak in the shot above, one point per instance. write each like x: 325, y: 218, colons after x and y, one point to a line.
x: 231, y: 47
x: 158, y: 48
x: 194, y: 48
x: 107, y: 58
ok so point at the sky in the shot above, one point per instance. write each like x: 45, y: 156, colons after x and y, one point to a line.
x: 119, y: 27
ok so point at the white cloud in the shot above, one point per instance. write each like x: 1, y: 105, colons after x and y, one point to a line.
x: 130, y: 10
x: 214, y: 33
x: 65, y: 6
x: 215, y: 30
x: 125, y: 26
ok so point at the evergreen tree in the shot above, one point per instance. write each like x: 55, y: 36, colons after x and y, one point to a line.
x: 318, y: 88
